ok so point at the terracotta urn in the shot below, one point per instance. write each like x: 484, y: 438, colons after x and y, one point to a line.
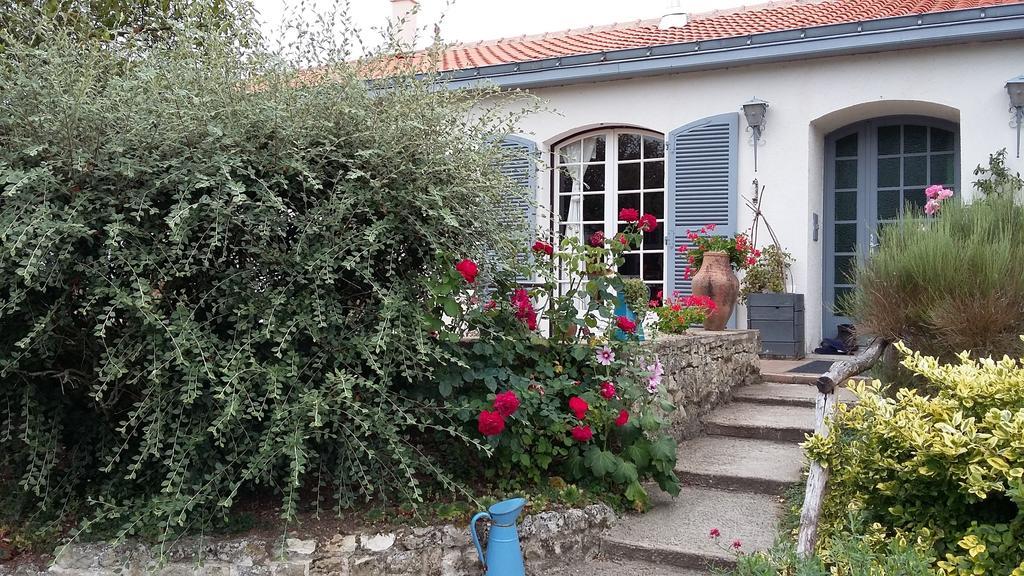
x: 716, y: 280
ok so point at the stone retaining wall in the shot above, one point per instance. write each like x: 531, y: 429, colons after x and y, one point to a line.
x: 701, y: 371
x: 550, y: 539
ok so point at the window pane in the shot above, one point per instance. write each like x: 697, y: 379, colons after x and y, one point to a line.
x: 915, y: 198
x: 888, y: 172
x: 915, y: 171
x: 889, y: 204
x: 847, y: 146
x: 569, y: 153
x: 593, y: 178
x: 915, y: 139
x: 594, y: 145
x: 654, y: 203
x: 846, y: 205
x: 846, y: 174
x: 629, y: 176
x: 653, y: 266
x: 839, y: 304
x: 631, y: 267
x: 888, y: 140
x: 845, y: 269
x: 942, y: 140
x: 654, y: 289
x: 629, y: 201
x: 942, y: 169
x: 565, y: 178
x: 654, y: 147
x: 629, y: 146
x: 593, y: 207
x: 654, y: 174
x: 563, y: 207
x: 655, y: 240
x: 589, y: 229
x: 846, y: 237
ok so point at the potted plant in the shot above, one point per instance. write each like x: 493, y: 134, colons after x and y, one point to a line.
x: 716, y: 259
x: 633, y: 303
x: 778, y: 315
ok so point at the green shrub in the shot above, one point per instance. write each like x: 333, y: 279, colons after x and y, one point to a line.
x: 215, y: 267
x: 768, y: 272
x: 637, y: 296
x: 949, y: 283
x: 943, y: 472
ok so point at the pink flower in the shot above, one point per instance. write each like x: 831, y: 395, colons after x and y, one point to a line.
x: 607, y: 390
x: 931, y: 207
x: 506, y: 403
x: 605, y: 356
x: 578, y: 406
x: 736, y: 544
x: 653, y: 304
x: 657, y: 371
x: 625, y: 324
x: 468, y: 269
x: 597, y: 239
x: 710, y: 227
x: 715, y: 533
x: 629, y: 215
x: 582, y: 433
x: 937, y: 192
x: 524, y: 310
x: 622, y: 419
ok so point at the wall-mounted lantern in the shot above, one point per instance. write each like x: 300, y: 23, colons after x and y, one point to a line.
x: 1015, y: 88
x: 755, y: 111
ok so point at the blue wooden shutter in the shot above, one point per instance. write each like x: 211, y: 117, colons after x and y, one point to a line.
x: 701, y: 185
x: 518, y: 165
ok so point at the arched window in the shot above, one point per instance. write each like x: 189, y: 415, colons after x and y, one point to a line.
x: 598, y: 174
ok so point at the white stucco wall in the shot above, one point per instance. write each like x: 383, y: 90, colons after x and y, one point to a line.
x: 809, y: 99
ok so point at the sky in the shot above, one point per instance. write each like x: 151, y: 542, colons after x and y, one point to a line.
x: 469, y: 20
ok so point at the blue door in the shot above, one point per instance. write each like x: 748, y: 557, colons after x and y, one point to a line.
x: 874, y: 171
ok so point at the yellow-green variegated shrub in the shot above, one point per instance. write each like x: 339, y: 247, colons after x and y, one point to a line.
x: 944, y: 471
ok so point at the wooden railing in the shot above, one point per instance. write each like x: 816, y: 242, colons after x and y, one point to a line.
x: 824, y: 408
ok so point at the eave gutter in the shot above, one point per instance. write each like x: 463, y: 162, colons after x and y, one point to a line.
x: 898, y: 33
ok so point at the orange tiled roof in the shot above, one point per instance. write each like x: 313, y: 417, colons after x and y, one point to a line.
x: 772, y: 17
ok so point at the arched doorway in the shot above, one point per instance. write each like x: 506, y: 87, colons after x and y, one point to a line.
x: 874, y: 170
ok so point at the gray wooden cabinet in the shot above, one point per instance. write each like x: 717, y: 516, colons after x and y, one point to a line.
x: 780, y: 320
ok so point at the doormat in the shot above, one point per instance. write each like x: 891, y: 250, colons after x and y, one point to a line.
x: 813, y: 367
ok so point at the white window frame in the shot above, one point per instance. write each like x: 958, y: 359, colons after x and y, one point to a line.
x: 611, y: 192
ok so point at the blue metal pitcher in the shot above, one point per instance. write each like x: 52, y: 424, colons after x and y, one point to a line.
x: 504, y: 556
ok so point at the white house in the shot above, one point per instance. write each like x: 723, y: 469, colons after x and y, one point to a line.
x: 869, y: 102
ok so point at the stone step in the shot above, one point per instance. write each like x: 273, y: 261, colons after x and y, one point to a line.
x: 675, y: 532
x: 740, y: 464
x: 763, y: 422
x: 604, y: 567
x: 782, y: 394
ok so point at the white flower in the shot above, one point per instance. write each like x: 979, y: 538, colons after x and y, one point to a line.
x: 605, y: 356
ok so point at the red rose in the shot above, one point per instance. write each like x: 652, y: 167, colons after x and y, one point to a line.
x: 523, y: 306
x: 490, y: 423
x: 623, y: 418
x: 468, y: 269
x: 622, y: 239
x: 579, y: 407
x: 625, y: 324
x: 506, y: 403
x: 490, y: 305
x: 647, y: 223
x: 582, y: 433
x: 597, y: 238
x: 544, y: 247
x: 629, y: 215
x: 607, y: 390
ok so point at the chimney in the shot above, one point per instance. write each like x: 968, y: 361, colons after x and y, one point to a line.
x: 674, y: 17
x: 403, y: 15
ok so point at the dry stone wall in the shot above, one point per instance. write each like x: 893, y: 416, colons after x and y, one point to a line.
x: 550, y: 539
x: 701, y: 371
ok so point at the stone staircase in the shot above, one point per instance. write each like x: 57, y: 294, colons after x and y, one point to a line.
x: 732, y: 479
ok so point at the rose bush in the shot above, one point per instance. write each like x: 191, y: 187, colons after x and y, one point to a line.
x: 588, y: 406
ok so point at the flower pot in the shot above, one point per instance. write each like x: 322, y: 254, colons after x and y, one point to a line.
x: 716, y: 280
x: 622, y: 309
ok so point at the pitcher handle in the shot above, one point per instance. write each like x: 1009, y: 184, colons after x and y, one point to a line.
x: 476, y: 539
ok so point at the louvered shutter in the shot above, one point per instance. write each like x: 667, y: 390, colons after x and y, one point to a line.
x: 518, y: 166
x: 701, y: 186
